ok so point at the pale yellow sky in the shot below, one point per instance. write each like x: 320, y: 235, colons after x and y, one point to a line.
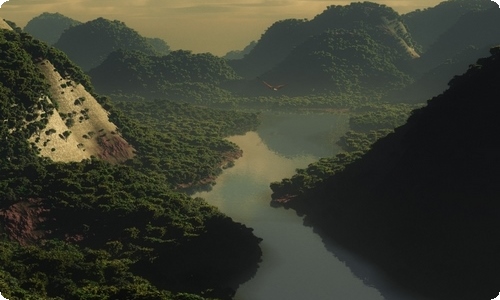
x: 215, y: 26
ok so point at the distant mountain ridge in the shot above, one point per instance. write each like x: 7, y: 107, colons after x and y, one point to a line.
x: 428, y: 24
x: 90, y: 43
x: 381, y: 23
x: 48, y: 27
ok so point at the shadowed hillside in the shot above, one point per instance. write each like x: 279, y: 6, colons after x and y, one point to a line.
x: 428, y: 24
x: 423, y: 202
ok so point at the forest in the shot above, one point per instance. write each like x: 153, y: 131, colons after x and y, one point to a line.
x: 414, y: 188
x: 97, y: 230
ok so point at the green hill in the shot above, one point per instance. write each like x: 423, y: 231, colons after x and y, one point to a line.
x: 422, y: 204
x: 90, y: 43
x: 48, y: 27
x: 381, y: 23
x: 180, y: 75
x: 89, y: 229
x: 342, y: 61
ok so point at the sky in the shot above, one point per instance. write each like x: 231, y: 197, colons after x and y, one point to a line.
x: 215, y: 26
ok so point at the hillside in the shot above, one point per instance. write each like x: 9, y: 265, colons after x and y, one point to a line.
x: 381, y: 23
x: 80, y: 127
x: 428, y: 24
x: 91, y: 229
x: 451, y: 54
x: 479, y: 29
x: 422, y: 204
x: 342, y: 61
x: 90, y: 43
x: 48, y: 27
x: 178, y: 75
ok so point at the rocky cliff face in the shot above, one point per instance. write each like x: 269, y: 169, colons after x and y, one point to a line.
x: 79, y: 127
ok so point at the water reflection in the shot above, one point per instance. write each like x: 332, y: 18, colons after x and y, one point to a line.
x: 296, y: 264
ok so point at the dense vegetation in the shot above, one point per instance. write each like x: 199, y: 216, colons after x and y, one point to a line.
x: 90, y: 43
x: 102, y: 231
x: 48, y: 27
x: 186, y: 146
x: 176, y: 75
x: 423, y: 202
x: 381, y: 23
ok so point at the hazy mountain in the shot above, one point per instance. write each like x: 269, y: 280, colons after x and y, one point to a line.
x: 453, y: 52
x: 427, y: 25
x: 238, y: 54
x: 381, y: 23
x: 422, y: 204
x: 159, y: 45
x: 48, y: 27
x: 479, y: 29
x: 90, y: 43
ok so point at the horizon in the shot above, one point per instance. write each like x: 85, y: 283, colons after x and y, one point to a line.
x: 216, y: 26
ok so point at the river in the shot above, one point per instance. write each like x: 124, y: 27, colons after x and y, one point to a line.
x: 296, y: 263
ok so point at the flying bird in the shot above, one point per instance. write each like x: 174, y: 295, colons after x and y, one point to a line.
x: 272, y: 87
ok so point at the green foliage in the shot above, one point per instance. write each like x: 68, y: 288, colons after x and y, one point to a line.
x: 186, y: 146
x: 179, y: 72
x: 115, y: 231
x: 343, y: 61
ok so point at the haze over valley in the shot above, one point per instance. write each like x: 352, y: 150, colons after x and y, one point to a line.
x: 333, y: 150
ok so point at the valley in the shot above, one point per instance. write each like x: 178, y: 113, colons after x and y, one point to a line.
x: 352, y: 155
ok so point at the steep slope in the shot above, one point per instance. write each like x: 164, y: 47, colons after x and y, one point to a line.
x: 427, y: 25
x: 48, y: 27
x: 423, y: 203
x: 90, y: 43
x: 80, y: 127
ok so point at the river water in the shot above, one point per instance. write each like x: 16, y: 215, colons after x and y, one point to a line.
x: 295, y: 263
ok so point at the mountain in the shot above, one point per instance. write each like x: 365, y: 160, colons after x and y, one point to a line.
x: 90, y: 43
x: 238, y: 54
x: 340, y: 60
x: 83, y: 215
x: 479, y: 29
x: 381, y: 23
x: 48, y: 27
x: 427, y: 25
x: 452, y: 53
x: 422, y: 203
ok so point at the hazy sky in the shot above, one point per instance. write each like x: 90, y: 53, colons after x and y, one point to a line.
x: 215, y: 26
